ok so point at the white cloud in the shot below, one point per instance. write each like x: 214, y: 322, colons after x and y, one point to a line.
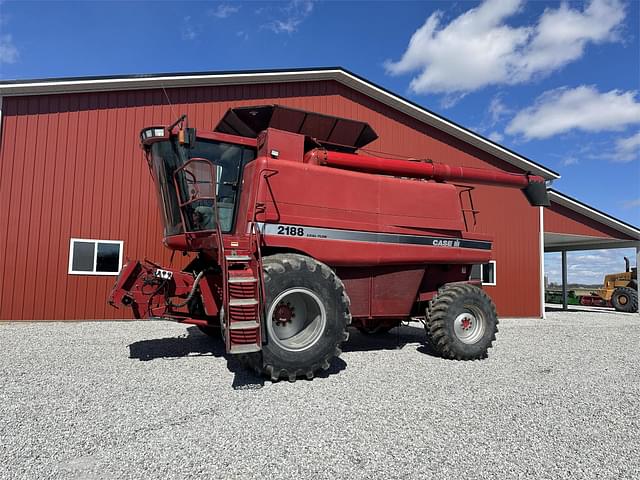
x: 497, y: 109
x: 569, y: 161
x: 8, y: 51
x: 224, y: 10
x: 627, y: 149
x: 188, y: 31
x: 479, y: 48
x: 496, y: 137
x: 581, y: 108
x: 631, y: 203
x: 289, y: 17
x: 495, y: 113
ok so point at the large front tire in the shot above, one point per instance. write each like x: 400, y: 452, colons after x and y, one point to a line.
x: 461, y: 322
x: 306, y: 317
x: 625, y: 299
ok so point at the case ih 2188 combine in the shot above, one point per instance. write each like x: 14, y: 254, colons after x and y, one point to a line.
x: 298, y: 236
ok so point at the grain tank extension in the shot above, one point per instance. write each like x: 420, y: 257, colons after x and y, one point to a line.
x: 294, y: 235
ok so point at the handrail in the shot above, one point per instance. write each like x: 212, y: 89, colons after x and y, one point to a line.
x: 259, y: 274
x: 254, y: 231
x: 222, y: 261
x: 467, y: 189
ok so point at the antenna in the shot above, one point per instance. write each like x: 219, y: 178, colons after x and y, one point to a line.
x: 173, y: 112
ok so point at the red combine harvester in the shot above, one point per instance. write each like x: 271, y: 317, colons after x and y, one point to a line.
x: 298, y: 236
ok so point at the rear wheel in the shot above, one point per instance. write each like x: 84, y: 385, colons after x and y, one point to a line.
x: 307, y: 313
x: 461, y: 322
x: 625, y: 299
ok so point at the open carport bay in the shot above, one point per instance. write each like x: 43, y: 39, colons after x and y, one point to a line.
x: 556, y: 398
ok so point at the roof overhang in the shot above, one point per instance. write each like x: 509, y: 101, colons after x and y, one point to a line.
x: 557, y: 242
x: 101, y: 84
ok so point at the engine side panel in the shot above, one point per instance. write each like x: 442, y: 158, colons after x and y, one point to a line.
x: 350, y: 218
x: 381, y: 292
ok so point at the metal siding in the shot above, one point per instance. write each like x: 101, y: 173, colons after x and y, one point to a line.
x: 560, y: 219
x: 75, y: 159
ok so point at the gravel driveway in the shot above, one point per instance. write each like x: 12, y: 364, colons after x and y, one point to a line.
x: 116, y: 400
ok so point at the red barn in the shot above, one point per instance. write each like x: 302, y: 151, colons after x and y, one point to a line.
x: 76, y: 196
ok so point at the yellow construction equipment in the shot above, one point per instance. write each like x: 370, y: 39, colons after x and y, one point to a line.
x: 621, y: 289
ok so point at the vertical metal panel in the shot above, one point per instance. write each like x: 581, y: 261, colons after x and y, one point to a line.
x: 6, y: 151
x: 72, y: 168
x: 65, y: 147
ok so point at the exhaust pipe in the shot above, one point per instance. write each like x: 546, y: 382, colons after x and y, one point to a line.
x: 626, y: 265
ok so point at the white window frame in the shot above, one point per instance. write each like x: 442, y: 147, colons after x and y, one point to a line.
x: 71, y: 271
x: 495, y: 276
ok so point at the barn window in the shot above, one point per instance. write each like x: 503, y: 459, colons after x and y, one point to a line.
x: 95, y: 257
x: 486, y: 273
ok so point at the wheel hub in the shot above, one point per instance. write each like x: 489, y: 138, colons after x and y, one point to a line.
x: 284, y: 313
x: 298, y: 319
x: 466, y: 323
x: 622, y: 300
x: 469, y: 326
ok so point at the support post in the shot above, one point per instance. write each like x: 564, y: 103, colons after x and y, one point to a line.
x: 543, y: 313
x: 564, y: 280
x: 637, y: 275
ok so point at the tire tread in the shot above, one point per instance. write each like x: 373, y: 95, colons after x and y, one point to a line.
x: 283, y: 263
x: 631, y: 306
x: 438, y: 317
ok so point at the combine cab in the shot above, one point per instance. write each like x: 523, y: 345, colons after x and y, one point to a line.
x: 296, y: 237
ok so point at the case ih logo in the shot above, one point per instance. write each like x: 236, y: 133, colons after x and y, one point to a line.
x: 446, y: 243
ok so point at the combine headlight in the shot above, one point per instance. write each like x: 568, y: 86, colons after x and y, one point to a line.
x: 152, y: 132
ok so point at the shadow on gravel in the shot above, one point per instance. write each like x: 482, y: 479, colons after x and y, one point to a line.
x: 396, y: 339
x: 196, y: 344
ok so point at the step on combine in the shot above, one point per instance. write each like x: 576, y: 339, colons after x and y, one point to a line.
x: 294, y: 235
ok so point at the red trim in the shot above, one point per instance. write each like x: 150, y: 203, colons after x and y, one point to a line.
x: 225, y: 137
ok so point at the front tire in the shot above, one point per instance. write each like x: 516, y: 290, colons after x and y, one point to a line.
x: 625, y: 299
x: 307, y: 314
x: 461, y: 322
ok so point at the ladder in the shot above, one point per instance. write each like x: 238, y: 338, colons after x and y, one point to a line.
x: 241, y: 293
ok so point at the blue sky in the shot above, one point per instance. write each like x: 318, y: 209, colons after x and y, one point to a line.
x: 556, y: 82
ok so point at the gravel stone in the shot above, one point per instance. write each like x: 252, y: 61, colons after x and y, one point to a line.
x: 557, y: 398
